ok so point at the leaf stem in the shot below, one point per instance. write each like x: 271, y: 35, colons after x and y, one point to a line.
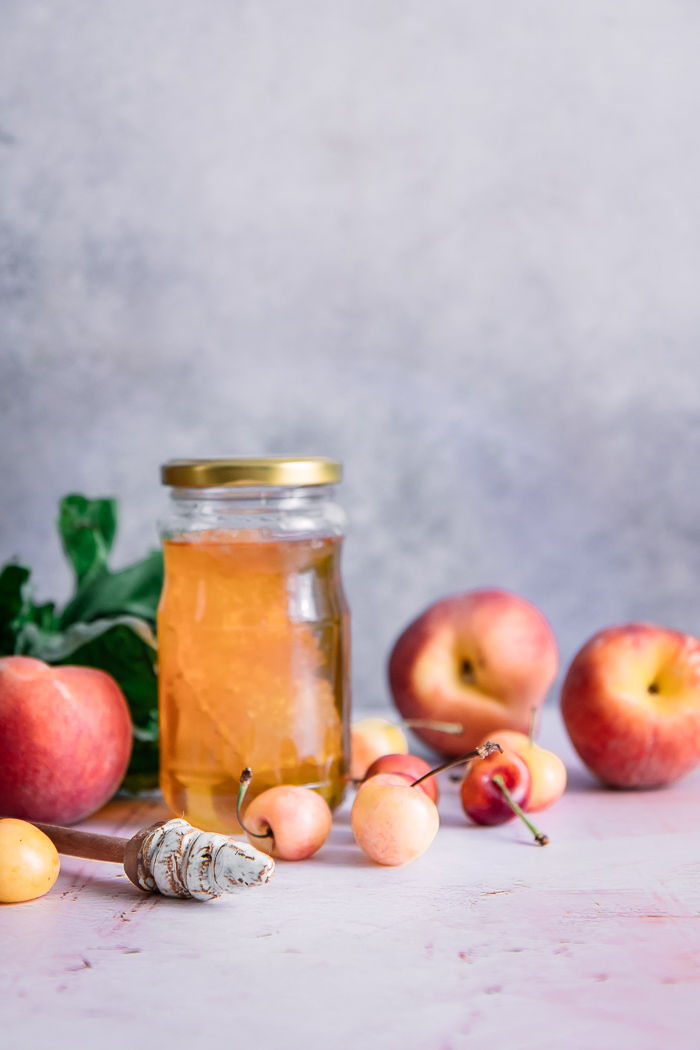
x: 438, y: 727
x: 244, y: 781
x: 533, y: 726
x: 540, y: 838
x: 483, y: 751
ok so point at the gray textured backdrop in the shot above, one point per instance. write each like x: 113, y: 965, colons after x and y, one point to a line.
x: 455, y: 244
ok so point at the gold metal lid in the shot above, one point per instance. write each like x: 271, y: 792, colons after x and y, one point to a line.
x: 272, y: 470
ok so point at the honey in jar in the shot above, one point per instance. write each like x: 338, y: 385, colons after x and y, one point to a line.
x: 253, y: 634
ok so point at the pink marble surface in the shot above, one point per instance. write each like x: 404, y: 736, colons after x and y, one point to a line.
x: 487, y: 939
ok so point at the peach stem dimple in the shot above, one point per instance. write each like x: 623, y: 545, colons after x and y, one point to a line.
x: 466, y: 672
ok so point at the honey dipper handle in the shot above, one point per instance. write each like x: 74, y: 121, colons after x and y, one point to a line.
x: 86, y: 844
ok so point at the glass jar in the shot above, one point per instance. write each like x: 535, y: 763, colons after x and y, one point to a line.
x: 253, y: 634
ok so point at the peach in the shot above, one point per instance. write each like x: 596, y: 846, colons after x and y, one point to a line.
x: 65, y: 740
x: 483, y: 659
x: 631, y: 704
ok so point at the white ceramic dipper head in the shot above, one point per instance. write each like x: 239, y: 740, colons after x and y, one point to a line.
x: 178, y: 860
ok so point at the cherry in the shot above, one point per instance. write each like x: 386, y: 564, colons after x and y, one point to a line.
x: 371, y: 738
x: 288, y: 821
x: 497, y: 789
x: 410, y: 766
x: 547, y: 770
x: 483, y: 800
x: 29, y: 863
x: 393, y: 820
x: 393, y: 823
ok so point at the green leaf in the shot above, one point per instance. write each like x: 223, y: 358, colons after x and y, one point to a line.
x: 125, y: 648
x: 142, y: 774
x: 15, y: 604
x: 134, y: 591
x: 87, y: 528
x: 13, y: 591
x: 44, y: 616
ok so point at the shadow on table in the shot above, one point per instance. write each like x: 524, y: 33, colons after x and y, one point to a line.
x: 97, y: 883
x: 579, y: 780
x: 341, y: 848
x: 459, y: 820
x: 350, y: 856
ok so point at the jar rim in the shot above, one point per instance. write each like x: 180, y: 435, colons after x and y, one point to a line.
x: 273, y: 471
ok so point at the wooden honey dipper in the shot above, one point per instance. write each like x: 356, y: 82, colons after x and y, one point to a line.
x: 171, y: 857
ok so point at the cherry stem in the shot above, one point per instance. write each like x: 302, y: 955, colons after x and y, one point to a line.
x: 533, y: 726
x: 437, y: 727
x: 479, y: 752
x: 540, y: 838
x: 245, y: 779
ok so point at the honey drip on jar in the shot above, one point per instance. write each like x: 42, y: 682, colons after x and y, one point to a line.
x: 253, y: 666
